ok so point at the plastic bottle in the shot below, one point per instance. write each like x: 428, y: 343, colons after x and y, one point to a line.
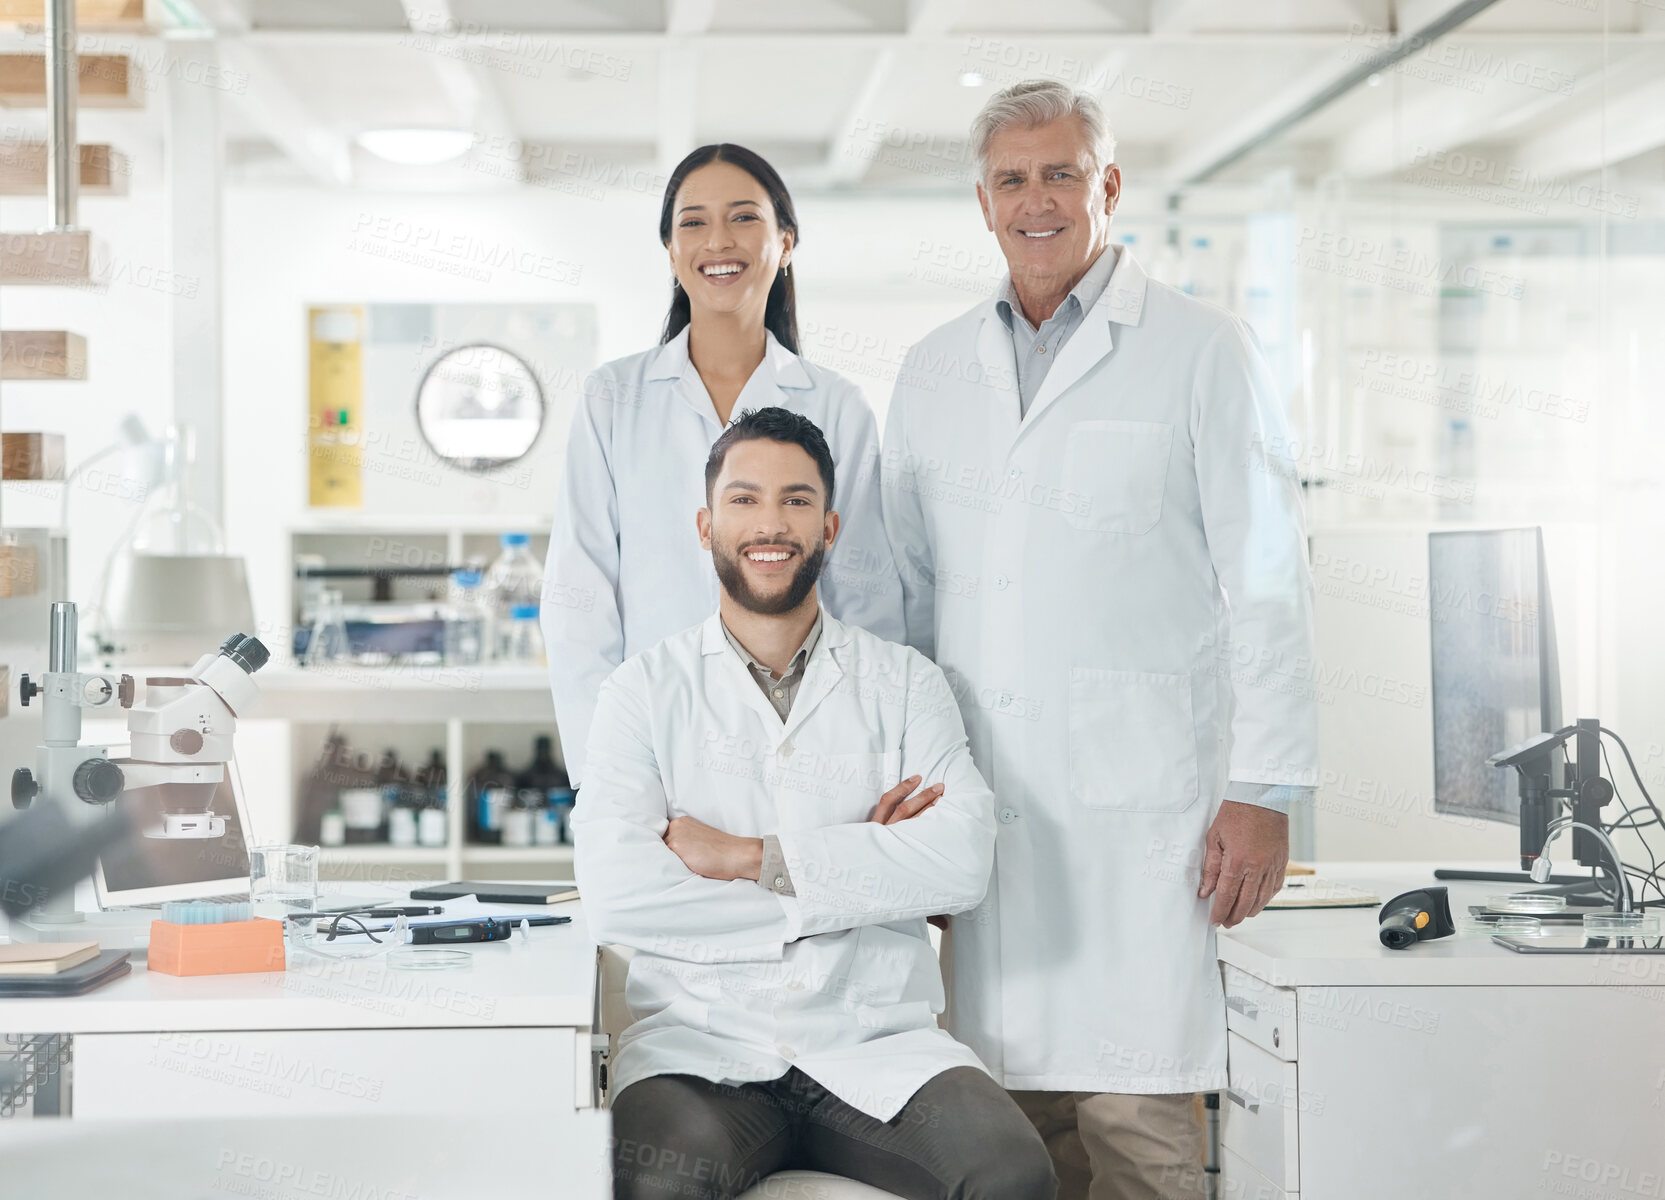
x: 332, y: 829
x: 524, y: 644
x: 431, y: 821
x: 401, y: 825
x: 490, y: 789
x: 467, y: 619
x: 515, y: 579
x: 539, y: 784
x: 561, y: 805
x: 330, y: 775
x: 517, y: 821
x: 393, y: 777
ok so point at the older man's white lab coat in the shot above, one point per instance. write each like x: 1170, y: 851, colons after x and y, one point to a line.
x: 732, y: 981
x: 1116, y: 585
x: 625, y: 566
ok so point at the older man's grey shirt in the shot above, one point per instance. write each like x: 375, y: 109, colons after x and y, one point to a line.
x: 1036, y: 348
x: 780, y: 693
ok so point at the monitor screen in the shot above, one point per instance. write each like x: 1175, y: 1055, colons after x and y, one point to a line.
x: 139, y: 863
x: 1495, y: 676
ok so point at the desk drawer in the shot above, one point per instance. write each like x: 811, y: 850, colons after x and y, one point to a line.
x: 323, y: 1072
x: 1258, y: 1113
x: 1240, y: 1181
x: 1263, y: 1014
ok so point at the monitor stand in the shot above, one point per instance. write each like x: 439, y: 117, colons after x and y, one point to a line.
x: 1581, y: 891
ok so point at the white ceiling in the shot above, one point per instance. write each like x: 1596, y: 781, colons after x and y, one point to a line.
x: 869, y: 93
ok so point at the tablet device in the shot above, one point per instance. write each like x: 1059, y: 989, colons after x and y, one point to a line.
x: 1581, y: 945
x: 499, y: 893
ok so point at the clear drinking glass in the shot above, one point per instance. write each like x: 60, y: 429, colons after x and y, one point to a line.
x: 283, y: 879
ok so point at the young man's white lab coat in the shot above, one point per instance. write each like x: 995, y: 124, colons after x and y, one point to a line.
x: 625, y: 565
x: 730, y: 980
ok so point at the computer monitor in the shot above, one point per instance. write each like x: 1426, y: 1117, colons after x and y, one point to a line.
x: 142, y: 870
x: 1496, y: 677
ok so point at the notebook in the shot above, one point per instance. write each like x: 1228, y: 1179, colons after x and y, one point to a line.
x: 1322, y: 893
x: 499, y: 893
x: 43, y: 958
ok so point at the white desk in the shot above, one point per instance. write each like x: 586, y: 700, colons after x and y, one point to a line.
x: 1453, y: 1068
x: 462, y: 1157
x: 507, y: 1037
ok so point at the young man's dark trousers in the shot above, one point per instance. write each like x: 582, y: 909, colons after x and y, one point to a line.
x: 960, y: 1137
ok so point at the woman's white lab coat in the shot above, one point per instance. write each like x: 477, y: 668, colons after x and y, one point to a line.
x: 625, y: 566
x: 730, y: 980
x: 1116, y: 586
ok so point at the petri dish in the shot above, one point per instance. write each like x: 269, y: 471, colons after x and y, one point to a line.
x: 1526, y: 904
x: 411, y: 959
x: 1611, y: 924
x: 1518, y: 926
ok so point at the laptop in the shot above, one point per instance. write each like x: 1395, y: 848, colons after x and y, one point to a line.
x: 141, y: 872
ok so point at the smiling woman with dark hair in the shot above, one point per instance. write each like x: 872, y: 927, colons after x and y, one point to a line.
x: 625, y: 565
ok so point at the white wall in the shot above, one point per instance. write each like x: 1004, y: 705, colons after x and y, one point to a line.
x: 290, y: 248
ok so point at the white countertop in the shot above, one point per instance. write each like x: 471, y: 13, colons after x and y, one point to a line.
x: 547, y: 981
x: 1339, y: 946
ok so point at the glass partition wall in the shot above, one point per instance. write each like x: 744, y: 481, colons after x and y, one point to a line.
x: 1456, y: 267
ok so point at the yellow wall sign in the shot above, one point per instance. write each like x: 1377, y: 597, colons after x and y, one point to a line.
x: 335, y: 399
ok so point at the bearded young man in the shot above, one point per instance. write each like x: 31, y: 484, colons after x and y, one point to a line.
x: 741, y: 827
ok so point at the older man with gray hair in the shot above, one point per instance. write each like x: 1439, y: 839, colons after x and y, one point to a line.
x: 1101, y: 544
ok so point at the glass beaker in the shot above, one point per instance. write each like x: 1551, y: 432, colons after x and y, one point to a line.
x: 283, y: 879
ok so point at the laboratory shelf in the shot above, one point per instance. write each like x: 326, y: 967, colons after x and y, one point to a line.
x: 517, y: 854
x: 356, y: 522
x: 396, y: 864
x: 461, y: 711
x: 377, y: 853
x: 405, y: 694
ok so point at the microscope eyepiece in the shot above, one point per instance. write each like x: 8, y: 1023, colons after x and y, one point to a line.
x: 250, y: 653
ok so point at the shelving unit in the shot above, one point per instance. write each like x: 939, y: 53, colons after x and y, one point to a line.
x: 460, y: 710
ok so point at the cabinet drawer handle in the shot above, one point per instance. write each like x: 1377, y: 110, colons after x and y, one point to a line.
x: 1242, y: 1100
x: 1239, y: 1005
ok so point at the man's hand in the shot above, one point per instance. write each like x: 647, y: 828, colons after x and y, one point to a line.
x: 1247, y: 849
x: 899, y: 803
x: 713, y: 853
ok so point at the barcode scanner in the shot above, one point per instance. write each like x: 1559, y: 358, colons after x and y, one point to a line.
x: 1418, y: 916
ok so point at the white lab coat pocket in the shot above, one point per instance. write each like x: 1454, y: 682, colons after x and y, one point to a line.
x: 1116, y: 472
x: 888, y: 987
x: 1132, y: 741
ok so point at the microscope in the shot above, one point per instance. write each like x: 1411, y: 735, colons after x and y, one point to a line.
x: 180, y: 742
x: 1585, y: 793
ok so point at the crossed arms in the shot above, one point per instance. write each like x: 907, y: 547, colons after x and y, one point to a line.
x: 934, y: 856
